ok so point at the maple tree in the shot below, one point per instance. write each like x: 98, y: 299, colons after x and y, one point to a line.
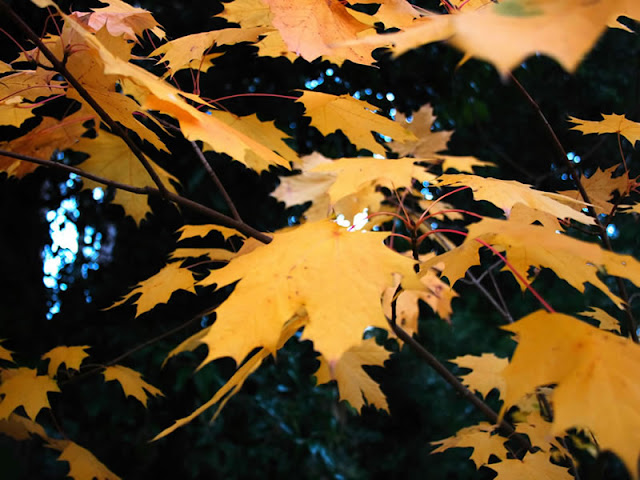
x: 569, y: 388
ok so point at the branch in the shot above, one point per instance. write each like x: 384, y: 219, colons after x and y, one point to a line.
x: 217, y: 181
x: 182, y: 201
x: 606, y: 242
x: 147, y: 343
x: 61, y: 68
x: 506, y: 428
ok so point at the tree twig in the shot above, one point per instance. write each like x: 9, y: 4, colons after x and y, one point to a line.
x: 138, y: 347
x: 61, y: 68
x: 604, y: 237
x: 506, y: 428
x: 216, y: 180
x: 185, y: 202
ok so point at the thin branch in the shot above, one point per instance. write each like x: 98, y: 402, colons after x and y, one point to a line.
x: 452, y: 380
x: 499, y: 293
x: 104, y: 116
x: 216, y: 180
x: 476, y: 282
x: 185, y: 202
x: 604, y: 237
x: 143, y: 345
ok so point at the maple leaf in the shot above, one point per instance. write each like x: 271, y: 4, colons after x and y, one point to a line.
x: 111, y: 158
x: 49, y: 136
x: 575, y: 261
x: 539, y: 432
x: 191, y: 231
x: 596, y: 373
x: 247, y: 13
x: 188, y: 51
x: 155, y: 94
x: 23, y: 387
x: 437, y: 294
x: 122, y: 19
x: 347, y: 185
x: 486, y: 372
x: 264, y: 132
x: 606, y: 321
x: 302, y: 268
x: 21, y: 428
x: 158, y: 288
x: 355, y: 118
x: 354, y: 384
x: 131, y: 382
x: 601, y: 187
x: 506, y: 193
x: 532, y: 467
x: 311, y: 28
x: 609, y: 124
x: 83, y: 465
x: 480, y: 437
x: 427, y: 142
x: 71, y: 357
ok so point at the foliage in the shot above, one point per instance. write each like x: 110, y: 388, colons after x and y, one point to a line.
x: 81, y: 101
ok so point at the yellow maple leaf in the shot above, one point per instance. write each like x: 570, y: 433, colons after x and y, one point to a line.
x: 191, y: 231
x: 533, y: 466
x: 506, y: 193
x: 354, y: 384
x: 189, y: 51
x: 247, y: 13
x: 575, y: 261
x: 23, y: 387
x: 609, y: 124
x: 337, y: 276
x: 264, y: 132
x: 355, y: 118
x: 131, y: 382
x: 606, y: 321
x: 311, y: 28
x: 480, y: 437
x: 437, y: 294
x: 597, y: 377
x: 156, y: 94
x: 159, y: 287
x: 427, y: 142
x: 49, y: 136
x: 122, y: 19
x: 601, y: 187
x: 486, y: 372
x: 111, y: 158
x: 71, y: 357
x: 83, y: 465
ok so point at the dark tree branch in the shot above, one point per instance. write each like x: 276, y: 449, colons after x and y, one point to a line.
x: 505, y: 427
x: 217, y: 181
x: 185, y: 202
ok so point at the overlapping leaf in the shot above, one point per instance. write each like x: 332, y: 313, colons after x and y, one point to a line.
x: 597, y: 377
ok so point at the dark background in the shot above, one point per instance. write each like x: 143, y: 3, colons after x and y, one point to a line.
x: 280, y: 425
